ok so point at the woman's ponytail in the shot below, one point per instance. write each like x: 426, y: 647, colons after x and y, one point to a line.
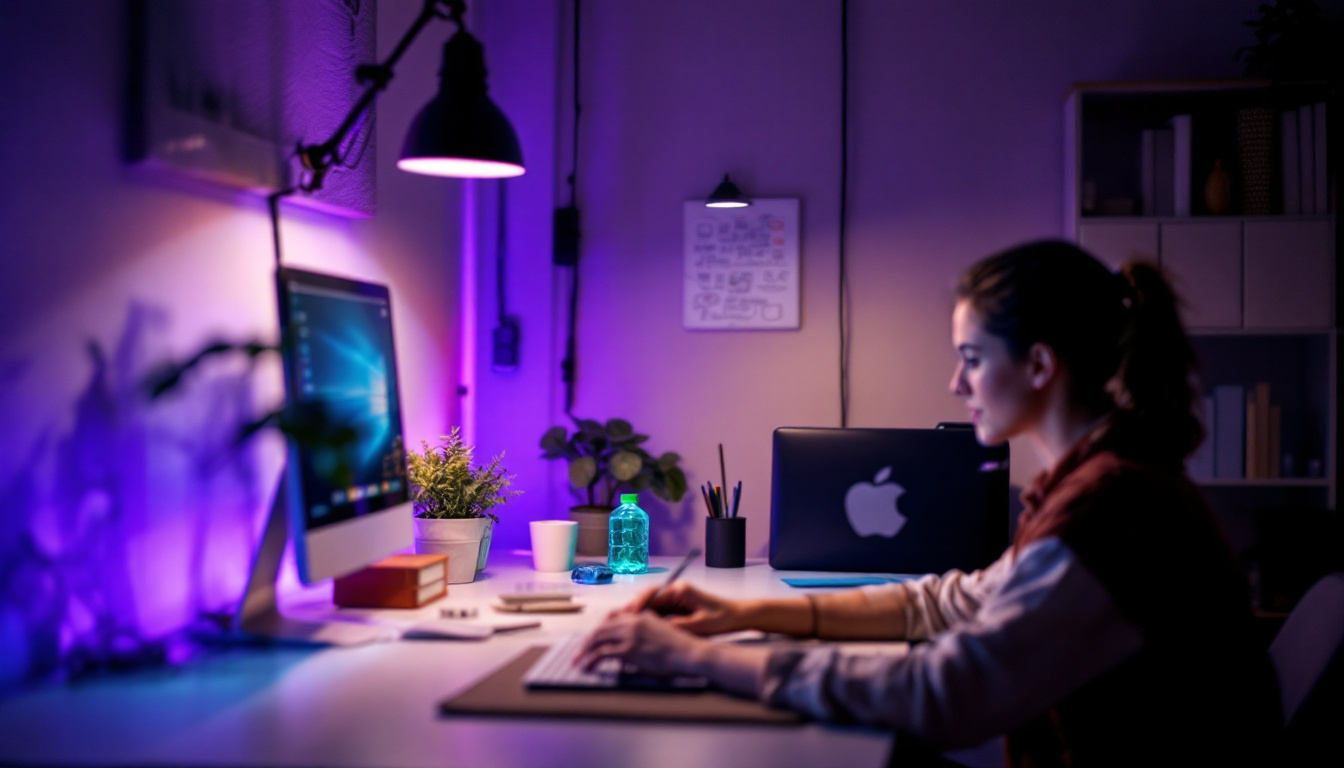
x: 1157, y: 380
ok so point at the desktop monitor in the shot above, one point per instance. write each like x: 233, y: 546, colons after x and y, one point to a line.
x: 343, y: 497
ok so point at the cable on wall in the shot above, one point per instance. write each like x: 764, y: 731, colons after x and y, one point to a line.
x: 566, y: 240
x: 506, y: 337
x: 844, y: 204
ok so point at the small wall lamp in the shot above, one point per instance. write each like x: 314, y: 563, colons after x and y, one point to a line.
x: 460, y: 133
x: 726, y: 195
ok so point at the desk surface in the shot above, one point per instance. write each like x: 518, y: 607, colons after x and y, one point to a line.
x: 376, y: 705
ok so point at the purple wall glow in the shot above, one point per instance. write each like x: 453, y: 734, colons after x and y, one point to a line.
x: 956, y: 118
x: 125, y: 519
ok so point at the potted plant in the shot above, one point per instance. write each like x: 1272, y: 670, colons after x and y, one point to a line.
x: 605, y: 460
x: 452, y: 503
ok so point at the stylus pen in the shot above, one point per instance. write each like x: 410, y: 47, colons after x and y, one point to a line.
x: 671, y: 577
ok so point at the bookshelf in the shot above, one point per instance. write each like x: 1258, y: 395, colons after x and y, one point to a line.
x: 1257, y: 268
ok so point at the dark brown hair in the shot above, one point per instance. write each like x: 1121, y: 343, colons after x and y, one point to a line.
x: 1119, y: 335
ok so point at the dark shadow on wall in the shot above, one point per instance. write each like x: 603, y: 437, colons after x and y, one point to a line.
x: 81, y: 589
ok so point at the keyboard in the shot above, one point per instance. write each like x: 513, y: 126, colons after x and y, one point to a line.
x: 555, y: 669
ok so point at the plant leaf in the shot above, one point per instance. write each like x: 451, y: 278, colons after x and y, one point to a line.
x: 668, y: 460
x: 553, y: 442
x: 582, y: 471
x: 625, y: 465
x: 619, y: 429
x: 676, y: 484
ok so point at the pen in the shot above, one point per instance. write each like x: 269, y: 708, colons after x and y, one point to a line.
x: 723, y: 474
x: 737, y: 494
x: 671, y: 577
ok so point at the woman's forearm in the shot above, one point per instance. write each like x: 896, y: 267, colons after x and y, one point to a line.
x: 859, y: 614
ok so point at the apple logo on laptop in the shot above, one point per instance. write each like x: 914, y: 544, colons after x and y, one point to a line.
x: 872, y: 507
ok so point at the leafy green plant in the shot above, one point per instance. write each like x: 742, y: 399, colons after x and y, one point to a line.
x: 606, y: 459
x: 1295, y: 41
x: 443, y: 484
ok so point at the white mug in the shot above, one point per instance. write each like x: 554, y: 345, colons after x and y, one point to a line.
x: 553, y: 544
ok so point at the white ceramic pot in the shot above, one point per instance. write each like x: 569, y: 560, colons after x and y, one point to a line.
x: 465, y: 541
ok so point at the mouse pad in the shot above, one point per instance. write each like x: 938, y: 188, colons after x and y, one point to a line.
x: 503, y: 694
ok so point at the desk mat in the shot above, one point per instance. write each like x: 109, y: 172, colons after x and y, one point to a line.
x: 503, y: 693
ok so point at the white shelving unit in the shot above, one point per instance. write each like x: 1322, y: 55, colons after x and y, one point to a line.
x: 1259, y: 290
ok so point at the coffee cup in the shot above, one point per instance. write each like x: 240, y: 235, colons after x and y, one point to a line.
x: 553, y: 543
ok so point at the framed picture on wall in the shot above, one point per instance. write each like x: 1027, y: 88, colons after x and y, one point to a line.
x: 223, y: 92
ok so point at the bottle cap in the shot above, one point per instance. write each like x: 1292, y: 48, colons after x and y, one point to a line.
x: 629, y: 498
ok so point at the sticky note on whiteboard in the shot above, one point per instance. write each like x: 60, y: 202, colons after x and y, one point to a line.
x: 741, y: 266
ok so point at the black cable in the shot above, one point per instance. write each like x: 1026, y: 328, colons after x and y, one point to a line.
x: 273, y: 203
x: 574, y: 163
x: 569, y: 366
x: 501, y: 252
x: 844, y: 202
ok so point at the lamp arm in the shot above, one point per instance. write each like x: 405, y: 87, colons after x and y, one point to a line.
x: 319, y: 158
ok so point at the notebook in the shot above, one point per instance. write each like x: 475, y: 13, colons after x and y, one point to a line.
x: 887, y: 500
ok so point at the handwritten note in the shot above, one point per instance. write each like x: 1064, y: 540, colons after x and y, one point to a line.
x: 741, y: 266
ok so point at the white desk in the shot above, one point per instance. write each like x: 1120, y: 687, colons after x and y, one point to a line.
x: 376, y: 705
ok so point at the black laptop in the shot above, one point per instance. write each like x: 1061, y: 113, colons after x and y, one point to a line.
x: 887, y: 500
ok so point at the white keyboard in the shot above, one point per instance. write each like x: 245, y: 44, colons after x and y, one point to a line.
x: 556, y: 669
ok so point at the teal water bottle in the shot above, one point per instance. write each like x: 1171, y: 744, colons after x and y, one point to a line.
x: 628, y: 537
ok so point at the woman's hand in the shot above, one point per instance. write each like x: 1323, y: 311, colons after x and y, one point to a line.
x: 690, y: 609
x: 648, y: 642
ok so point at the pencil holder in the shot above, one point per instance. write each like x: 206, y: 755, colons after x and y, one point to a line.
x: 725, y: 542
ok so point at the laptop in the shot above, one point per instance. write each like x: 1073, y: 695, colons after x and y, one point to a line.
x: 887, y: 500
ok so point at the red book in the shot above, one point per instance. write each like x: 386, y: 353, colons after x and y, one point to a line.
x: 399, y: 581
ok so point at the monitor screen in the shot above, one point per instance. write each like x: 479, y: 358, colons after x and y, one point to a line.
x: 346, y: 477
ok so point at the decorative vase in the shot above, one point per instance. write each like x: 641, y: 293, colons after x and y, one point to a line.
x: 1255, y: 158
x: 466, y: 542
x: 593, y: 523
x: 1217, y: 189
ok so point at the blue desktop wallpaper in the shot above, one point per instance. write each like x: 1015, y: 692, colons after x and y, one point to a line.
x: 342, y: 357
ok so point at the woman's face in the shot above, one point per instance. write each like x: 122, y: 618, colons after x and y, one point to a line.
x: 997, y: 389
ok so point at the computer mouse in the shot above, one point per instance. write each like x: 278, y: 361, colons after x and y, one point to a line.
x: 591, y: 574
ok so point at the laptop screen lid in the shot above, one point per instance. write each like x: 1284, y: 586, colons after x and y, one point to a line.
x: 886, y: 500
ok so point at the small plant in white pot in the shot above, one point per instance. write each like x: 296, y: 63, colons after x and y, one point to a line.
x: 453, y: 502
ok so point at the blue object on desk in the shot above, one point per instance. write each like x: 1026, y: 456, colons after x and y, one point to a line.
x: 591, y: 574
x: 848, y: 581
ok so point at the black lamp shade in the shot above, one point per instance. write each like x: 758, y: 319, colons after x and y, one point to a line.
x: 726, y: 195
x: 461, y: 132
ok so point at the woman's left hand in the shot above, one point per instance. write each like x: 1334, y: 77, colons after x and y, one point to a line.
x: 647, y: 641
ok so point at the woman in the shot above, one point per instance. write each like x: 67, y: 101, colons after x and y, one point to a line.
x: 1116, y: 630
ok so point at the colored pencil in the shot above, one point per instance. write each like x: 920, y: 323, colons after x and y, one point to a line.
x: 723, y: 473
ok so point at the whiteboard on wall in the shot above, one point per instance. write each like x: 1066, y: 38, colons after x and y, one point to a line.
x: 741, y: 266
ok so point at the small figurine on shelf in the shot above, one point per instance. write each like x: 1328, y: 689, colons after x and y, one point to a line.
x: 1217, y: 189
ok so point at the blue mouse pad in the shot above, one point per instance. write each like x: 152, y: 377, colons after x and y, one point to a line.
x: 849, y: 581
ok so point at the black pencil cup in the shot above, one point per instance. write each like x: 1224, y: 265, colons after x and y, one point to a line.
x: 725, y: 542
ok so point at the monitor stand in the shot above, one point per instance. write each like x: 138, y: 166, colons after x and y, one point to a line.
x: 258, y: 614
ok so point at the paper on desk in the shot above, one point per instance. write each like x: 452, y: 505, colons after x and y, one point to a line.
x: 446, y: 629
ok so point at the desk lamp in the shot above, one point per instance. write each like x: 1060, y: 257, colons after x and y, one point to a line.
x: 459, y: 133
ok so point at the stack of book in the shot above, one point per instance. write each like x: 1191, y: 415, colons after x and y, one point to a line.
x: 1165, y: 168
x: 399, y: 581
x: 1302, y: 133
x: 1244, y: 437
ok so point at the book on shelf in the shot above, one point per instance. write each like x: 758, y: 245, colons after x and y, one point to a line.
x: 1306, y: 153
x: 1229, y: 419
x: 1200, y: 464
x: 1164, y: 172
x: 399, y: 581
x: 1262, y: 433
x: 1182, y: 164
x: 1291, y: 163
x: 1146, y: 178
x: 1319, y: 172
